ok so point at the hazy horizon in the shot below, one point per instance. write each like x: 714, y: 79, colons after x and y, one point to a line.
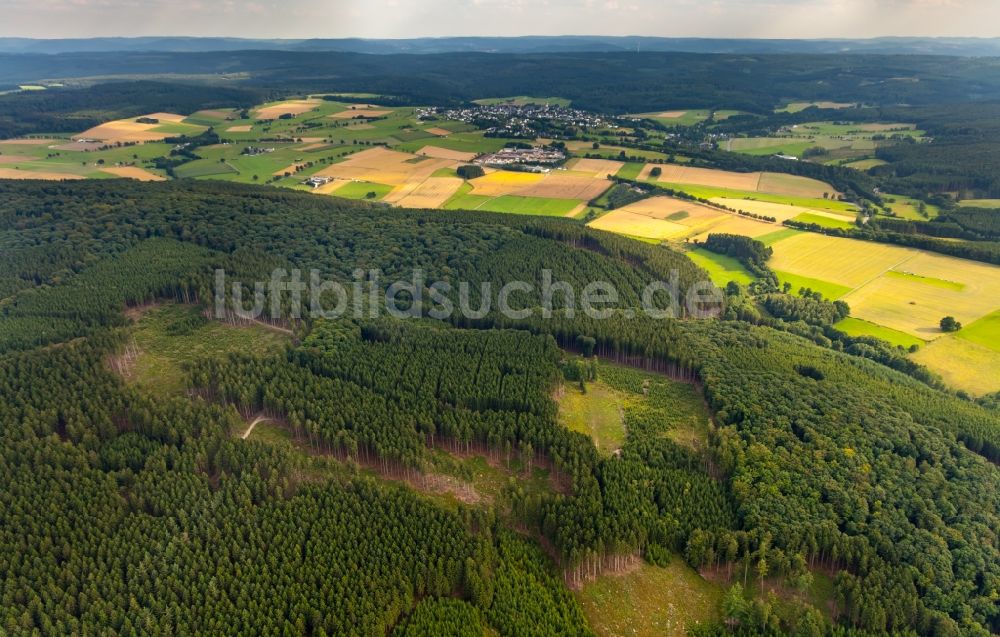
x: 401, y: 19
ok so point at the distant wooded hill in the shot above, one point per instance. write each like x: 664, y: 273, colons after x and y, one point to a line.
x: 528, y: 44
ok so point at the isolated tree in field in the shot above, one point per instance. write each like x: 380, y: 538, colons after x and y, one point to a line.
x: 656, y: 171
x: 596, y: 146
x: 949, y: 324
x: 470, y: 171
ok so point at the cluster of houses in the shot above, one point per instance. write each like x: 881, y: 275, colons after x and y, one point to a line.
x: 522, y: 157
x: 519, y: 120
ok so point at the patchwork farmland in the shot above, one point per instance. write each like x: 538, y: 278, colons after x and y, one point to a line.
x: 391, y: 155
x: 895, y: 293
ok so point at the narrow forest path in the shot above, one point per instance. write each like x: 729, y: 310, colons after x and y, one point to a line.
x: 261, y: 418
x: 276, y: 328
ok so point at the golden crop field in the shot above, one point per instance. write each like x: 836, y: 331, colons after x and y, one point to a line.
x: 664, y: 207
x: 502, y: 182
x: 902, y: 288
x: 32, y: 141
x: 739, y: 225
x: 709, y: 177
x: 664, y: 218
x: 360, y: 112
x: 849, y: 262
x: 383, y: 166
x: 431, y: 193
x: 794, y: 186
x: 638, y: 225
x: 13, y: 173
x: 962, y: 364
x: 766, y: 182
x: 644, y: 173
x: 600, y: 168
x: 779, y: 211
x: 133, y: 172
x: 129, y: 130
x: 566, y: 185
x: 292, y: 107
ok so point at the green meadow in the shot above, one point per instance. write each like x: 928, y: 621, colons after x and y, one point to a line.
x: 721, y: 268
x: 832, y: 291
x: 985, y: 331
x: 858, y: 327
x: 824, y: 222
x: 362, y: 190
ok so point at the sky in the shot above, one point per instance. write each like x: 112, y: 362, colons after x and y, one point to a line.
x: 422, y: 18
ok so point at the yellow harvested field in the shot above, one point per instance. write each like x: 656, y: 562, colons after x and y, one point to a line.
x: 293, y: 107
x: 313, y: 146
x: 432, y: 193
x: 440, y: 132
x: 353, y: 113
x: 242, y: 128
x: 445, y: 153
x: 794, y: 186
x: 922, y: 288
x: 566, y: 185
x: 663, y: 218
x: 622, y: 221
x: 774, y: 183
x: 671, y: 114
x: 167, y: 117
x: 709, y: 177
x: 383, y: 166
x: 974, y: 292
x: 740, y: 225
x: 15, y: 159
x: 962, y: 365
x: 133, y: 172
x: 129, y: 130
x: 123, y: 132
x: 26, y: 141
x: 601, y: 168
x: 644, y: 173
x: 848, y: 262
x: 13, y: 173
x: 779, y: 211
x: 663, y: 207
x: 503, y: 182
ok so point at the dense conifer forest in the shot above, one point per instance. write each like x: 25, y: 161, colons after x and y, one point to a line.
x: 127, y: 513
